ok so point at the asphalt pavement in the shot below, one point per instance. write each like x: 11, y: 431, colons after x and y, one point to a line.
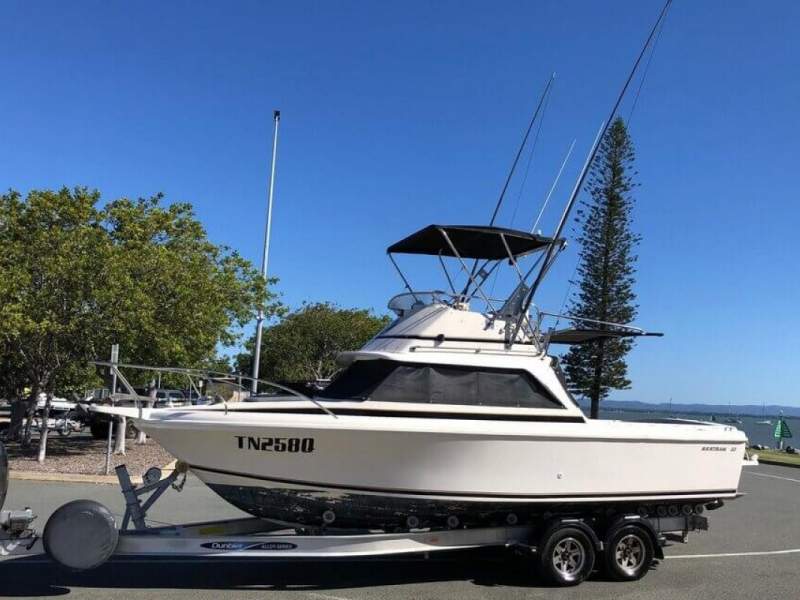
x: 751, y: 551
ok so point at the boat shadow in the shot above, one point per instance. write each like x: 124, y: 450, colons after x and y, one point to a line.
x: 37, y: 576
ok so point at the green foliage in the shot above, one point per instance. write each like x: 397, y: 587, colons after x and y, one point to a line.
x: 12, y: 375
x: 76, y: 277
x: 54, y: 249
x: 304, y: 345
x: 606, y: 268
x: 185, y: 294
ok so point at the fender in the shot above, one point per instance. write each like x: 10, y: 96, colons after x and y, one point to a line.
x: 578, y: 522
x: 635, y: 519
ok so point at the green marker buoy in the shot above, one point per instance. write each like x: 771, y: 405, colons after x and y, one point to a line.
x: 781, y: 432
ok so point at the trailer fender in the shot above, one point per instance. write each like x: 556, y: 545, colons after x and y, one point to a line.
x: 635, y: 519
x: 581, y: 524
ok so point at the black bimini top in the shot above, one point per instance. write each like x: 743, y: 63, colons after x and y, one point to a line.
x: 470, y: 241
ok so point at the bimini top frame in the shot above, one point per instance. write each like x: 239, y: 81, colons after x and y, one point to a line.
x: 487, y: 246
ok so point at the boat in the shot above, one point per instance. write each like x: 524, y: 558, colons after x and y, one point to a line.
x: 57, y: 405
x: 764, y: 420
x: 456, y: 414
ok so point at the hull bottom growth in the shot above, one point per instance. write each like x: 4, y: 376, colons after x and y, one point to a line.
x: 309, y: 506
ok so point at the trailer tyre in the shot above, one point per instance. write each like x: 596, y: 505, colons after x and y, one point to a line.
x: 628, y: 552
x: 567, y: 555
x: 80, y: 535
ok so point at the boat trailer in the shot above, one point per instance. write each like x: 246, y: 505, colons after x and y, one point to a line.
x: 84, y: 534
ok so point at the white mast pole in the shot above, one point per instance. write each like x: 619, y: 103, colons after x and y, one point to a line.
x: 265, y: 258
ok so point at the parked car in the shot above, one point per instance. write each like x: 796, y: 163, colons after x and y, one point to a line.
x: 165, y: 398
x: 170, y: 398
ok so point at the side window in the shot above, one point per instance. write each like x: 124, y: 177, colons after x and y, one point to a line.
x: 387, y: 381
x: 563, y: 380
x: 452, y: 385
x: 404, y: 383
x: 359, y: 380
x: 513, y: 388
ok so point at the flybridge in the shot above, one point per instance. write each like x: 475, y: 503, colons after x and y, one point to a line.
x: 489, y: 247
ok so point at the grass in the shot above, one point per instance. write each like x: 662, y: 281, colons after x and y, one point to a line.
x: 778, y: 457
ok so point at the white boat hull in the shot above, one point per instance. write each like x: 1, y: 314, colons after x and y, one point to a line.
x: 295, y: 466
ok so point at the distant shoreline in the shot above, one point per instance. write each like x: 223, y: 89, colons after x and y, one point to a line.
x: 721, y: 410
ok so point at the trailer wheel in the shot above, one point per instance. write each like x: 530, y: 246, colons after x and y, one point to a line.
x: 80, y: 535
x: 567, y: 555
x: 628, y: 552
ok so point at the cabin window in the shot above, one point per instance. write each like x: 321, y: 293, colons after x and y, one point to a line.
x: 389, y: 381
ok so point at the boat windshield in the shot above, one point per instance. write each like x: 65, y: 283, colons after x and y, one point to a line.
x: 403, y: 304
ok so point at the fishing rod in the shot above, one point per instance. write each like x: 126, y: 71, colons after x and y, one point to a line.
x: 512, y: 170
x: 554, y: 245
x: 546, y: 265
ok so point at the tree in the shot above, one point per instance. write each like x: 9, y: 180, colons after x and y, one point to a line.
x: 76, y: 277
x: 12, y: 374
x: 175, y: 295
x: 304, y: 345
x: 606, y: 268
x: 53, y: 254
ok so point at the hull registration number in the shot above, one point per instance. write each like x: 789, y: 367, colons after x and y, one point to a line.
x: 275, y: 444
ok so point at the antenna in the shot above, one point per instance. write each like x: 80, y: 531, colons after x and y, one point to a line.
x: 551, y: 249
x: 585, y: 166
x: 276, y: 115
x: 553, y: 187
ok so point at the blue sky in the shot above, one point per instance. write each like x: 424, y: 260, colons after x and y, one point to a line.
x: 400, y: 115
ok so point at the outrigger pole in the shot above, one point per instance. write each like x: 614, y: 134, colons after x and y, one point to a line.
x: 555, y: 245
x: 521, y: 148
x: 276, y: 115
x: 539, y: 105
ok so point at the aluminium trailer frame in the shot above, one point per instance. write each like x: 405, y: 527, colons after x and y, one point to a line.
x: 69, y: 529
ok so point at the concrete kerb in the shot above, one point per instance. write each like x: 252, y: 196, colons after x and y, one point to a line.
x: 166, y: 470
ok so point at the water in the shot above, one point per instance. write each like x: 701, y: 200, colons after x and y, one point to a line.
x: 756, y: 433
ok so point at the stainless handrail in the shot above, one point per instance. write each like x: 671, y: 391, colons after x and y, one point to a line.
x: 216, y: 376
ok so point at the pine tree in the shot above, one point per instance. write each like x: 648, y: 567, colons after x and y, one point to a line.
x: 606, y: 268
